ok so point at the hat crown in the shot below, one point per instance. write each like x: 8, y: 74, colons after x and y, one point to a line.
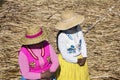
x: 67, y: 15
x: 32, y: 30
x: 69, y: 19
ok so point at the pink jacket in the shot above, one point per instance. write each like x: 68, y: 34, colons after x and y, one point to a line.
x: 33, y: 62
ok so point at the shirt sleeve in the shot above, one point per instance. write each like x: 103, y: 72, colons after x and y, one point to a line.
x: 24, y: 67
x: 83, y: 47
x: 54, y: 59
x: 63, y: 49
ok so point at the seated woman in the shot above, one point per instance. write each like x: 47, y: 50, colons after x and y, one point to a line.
x: 37, y: 59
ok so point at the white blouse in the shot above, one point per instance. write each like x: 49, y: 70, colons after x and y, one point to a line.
x: 72, y: 45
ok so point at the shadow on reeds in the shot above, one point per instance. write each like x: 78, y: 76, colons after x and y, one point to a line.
x: 2, y: 2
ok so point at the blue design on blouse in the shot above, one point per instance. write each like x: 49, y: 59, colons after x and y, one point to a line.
x: 70, y: 36
x: 80, y: 43
x: 71, y: 49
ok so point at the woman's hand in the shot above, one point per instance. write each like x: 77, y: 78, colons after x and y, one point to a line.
x: 81, y: 61
x: 46, y: 75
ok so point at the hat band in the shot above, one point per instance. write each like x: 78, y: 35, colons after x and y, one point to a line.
x: 35, y: 35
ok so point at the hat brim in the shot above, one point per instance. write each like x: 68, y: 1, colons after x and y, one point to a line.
x: 69, y: 24
x: 30, y: 41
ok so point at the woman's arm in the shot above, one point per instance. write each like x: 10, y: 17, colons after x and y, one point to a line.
x: 54, y: 59
x: 82, y: 61
x: 83, y: 46
x: 24, y: 67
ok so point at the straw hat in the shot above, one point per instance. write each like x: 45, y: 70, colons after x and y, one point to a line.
x: 33, y: 35
x: 69, y: 20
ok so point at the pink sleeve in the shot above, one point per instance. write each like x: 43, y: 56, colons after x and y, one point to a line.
x: 24, y: 67
x: 54, y: 59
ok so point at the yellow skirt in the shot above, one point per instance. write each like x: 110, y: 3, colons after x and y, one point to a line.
x: 72, y: 71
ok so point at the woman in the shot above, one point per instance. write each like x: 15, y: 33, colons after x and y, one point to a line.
x: 37, y: 59
x: 72, y: 47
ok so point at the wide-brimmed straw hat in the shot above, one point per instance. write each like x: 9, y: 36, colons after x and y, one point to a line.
x: 69, y: 20
x: 33, y: 35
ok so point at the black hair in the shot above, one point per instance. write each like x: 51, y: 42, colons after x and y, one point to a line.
x: 40, y: 43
